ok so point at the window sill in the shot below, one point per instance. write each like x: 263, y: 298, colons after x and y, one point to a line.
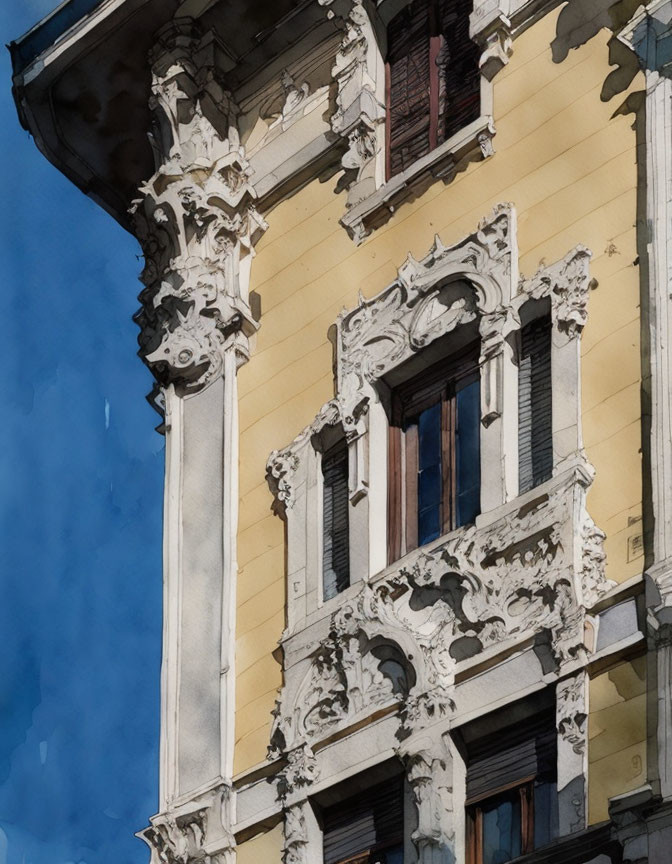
x: 444, y: 162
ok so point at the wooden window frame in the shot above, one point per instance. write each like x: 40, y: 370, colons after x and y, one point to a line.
x: 437, y: 384
x: 474, y: 817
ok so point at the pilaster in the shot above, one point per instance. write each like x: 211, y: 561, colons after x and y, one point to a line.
x: 429, y: 768
x: 649, y: 35
x: 197, y: 224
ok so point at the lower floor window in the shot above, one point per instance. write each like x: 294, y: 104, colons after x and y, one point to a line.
x: 517, y: 821
x: 367, y: 828
x: 511, y: 806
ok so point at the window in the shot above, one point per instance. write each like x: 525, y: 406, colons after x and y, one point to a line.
x: 434, y: 455
x: 433, y: 81
x: 335, y: 539
x: 367, y: 828
x: 535, y: 428
x: 512, y: 790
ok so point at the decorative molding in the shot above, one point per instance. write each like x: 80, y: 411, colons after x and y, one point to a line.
x: 568, y: 284
x: 197, y: 833
x: 195, y: 218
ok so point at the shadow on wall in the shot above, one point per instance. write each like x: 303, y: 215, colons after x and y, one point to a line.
x: 580, y: 20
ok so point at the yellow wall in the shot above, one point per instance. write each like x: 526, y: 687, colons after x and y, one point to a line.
x: 617, y: 735
x: 263, y: 849
x: 570, y: 170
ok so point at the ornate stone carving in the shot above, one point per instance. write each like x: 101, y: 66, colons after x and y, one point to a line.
x: 299, y: 773
x: 359, y: 114
x: 197, y: 835
x: 401, y: 639
x: 568, y: 284
x: 429, y: 773
x: 295, y: 849
x: 195, y: 218
x: 572, y: 713
x: 450, y: 286
x: 282, y: 464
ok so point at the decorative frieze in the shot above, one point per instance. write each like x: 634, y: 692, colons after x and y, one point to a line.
x: 195, y: 218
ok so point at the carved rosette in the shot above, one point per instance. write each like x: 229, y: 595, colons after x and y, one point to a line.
x: 196, y: 836
x: 195, y: 219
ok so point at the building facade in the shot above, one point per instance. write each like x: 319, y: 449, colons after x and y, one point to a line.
x: 406, y: 300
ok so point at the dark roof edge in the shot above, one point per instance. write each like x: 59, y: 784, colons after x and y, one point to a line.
x: 48, y: 31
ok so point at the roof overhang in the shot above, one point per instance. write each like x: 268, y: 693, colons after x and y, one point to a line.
x: 82, y: 78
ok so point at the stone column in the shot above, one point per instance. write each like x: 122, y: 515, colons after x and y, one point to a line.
x: 429, y: 771
x: 197, y: 224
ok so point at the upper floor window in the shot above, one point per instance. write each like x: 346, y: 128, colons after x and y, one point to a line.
x: 535, y: 427
x: 335, y: 521
x: 433, y: 80
x: 434, y: 454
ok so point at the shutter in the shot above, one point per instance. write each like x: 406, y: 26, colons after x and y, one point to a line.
x: 535, y: 428
x: 512, y: 755
x: 336, y: 545
x: 374, y: 819
x: 460, y: 80
x: 408, y: 85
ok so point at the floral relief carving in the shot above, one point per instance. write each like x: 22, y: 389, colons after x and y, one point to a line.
x: 195, y: 219
x: 568, y: 284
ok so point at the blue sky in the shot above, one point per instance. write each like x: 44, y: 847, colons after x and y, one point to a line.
x: 80, y: 509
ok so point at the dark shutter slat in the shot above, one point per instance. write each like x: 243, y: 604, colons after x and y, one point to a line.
x: 535, y: 427
x: 409, y: 101
x: 460, y: 77
x: 512, y: 755
x: 335, y: 520
x: 373, y: 819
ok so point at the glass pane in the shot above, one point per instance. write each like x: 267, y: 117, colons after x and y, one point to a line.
x: 468, y: 452
x: 393, y: 856
x: 502, y: 840
x: 545, y: 818
x: 429, y: 474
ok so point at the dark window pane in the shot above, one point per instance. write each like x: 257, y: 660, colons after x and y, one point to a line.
x: 335, y: 539
x: 467, y: 452
x: 394, y: 856
x: 502, y: 839
x: 545, y: 813
x: 429, y: 474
